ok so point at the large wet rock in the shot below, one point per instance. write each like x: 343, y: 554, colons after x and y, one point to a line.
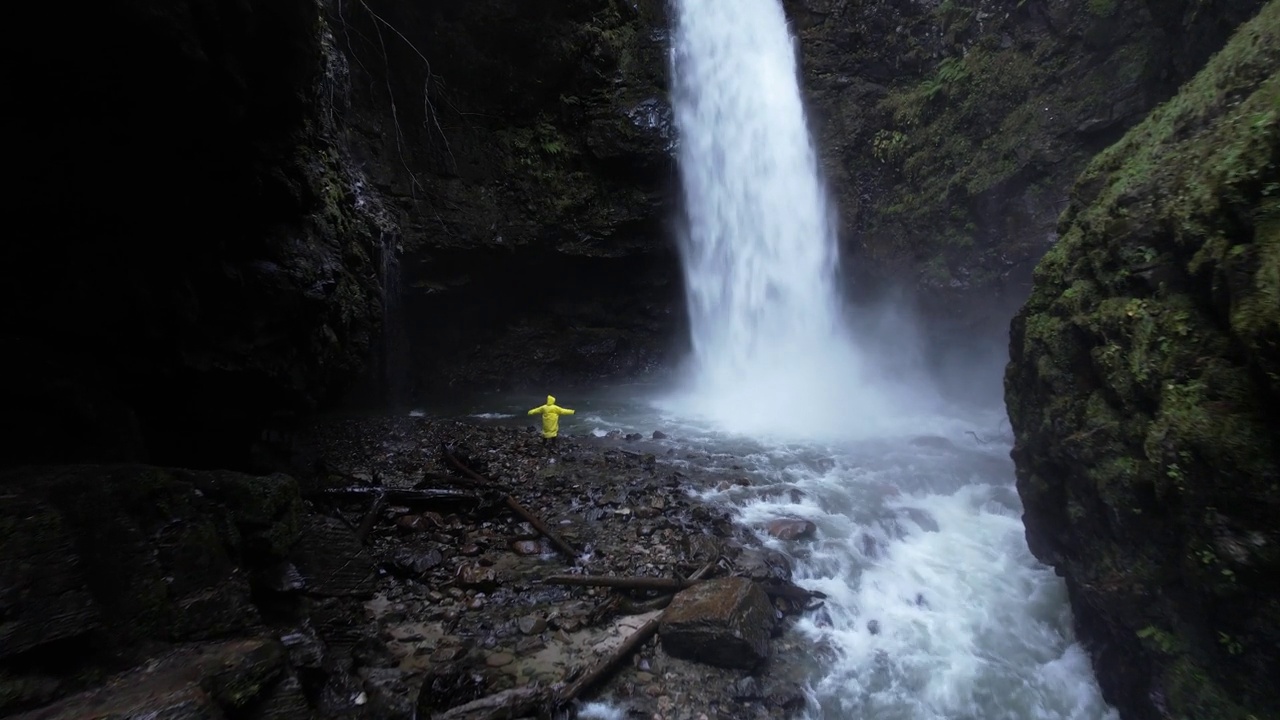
x: 789, y: 529
x: 135, y: 552
x: 1142, y: 385
x: 206, y: 682
x: 104, y: 568
x: 725, y: 622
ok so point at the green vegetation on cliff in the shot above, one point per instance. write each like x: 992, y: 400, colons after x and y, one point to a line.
x: 953, y: 131
x: 1142, y: 387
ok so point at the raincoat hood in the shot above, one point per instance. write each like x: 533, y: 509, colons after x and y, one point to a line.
x: 551, y: 400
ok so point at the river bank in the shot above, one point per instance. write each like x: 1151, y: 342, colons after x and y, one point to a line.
x: 460, y: 602
x: 385, y: 579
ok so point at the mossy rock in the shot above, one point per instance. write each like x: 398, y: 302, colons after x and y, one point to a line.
x: 150, y: 554
x: 1142, y: 386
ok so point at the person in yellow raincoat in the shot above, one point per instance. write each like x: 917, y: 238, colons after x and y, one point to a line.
x: 550, y: 419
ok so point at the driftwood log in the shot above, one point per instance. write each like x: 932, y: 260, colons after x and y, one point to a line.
x: 425, y: 496
x: 615, y: 658
x: 641, y: 635
x: 370, y: 518
x: 783, y: 590
x: 560, y: 543
x: 630, y: 607
x: 379, y: 497
x: 516, y: 703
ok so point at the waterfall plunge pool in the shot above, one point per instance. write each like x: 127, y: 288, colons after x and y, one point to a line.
x: 936, y: 609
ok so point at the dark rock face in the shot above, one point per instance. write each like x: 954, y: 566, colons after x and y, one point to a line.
x: 104, y: 567
x: 952, y: 132
x: 525, y: 148
x: 205, y: 259
x: 723, y: 622
x: 201, y: 682
x: 1142, y: 389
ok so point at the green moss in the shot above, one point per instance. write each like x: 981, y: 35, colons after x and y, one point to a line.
x: 1102, y: 8
x: 979, y: 121
x: 1254, y: 315
x: 264, y: 512
x: 1145, y: 375
x: 1193, y: 694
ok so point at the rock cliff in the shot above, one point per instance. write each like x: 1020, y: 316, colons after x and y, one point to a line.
x: 1142, y: 389
x: 242, y: 209
x: 198, y: 256
x: 525, y: 148
x: 952, y: 130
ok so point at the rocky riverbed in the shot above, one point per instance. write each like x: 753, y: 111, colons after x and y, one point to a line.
x: 382, y: 580
x: 460, y: 600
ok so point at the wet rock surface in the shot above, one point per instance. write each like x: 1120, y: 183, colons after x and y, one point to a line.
x: 724, y: 622
x: 475, y: 620
x: 1143, y: 376
x: 184, y: 594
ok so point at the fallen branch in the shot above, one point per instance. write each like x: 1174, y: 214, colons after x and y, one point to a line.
x: 516, y: 703
x: 426, y: 496
x: 560, y: 543
x: 788, y: 590
x: 370, y: 518
x: 662, y: 601
x: 625, y: 583
x: 637, y: 638
x: 620, y: 653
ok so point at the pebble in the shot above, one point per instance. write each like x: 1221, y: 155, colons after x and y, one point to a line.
x: 446, y: 654
x: 500, y: 659
x: 532, y: 624
x: 527, y: 547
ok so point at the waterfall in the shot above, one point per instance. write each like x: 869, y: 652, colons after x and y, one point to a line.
x: 935, y: 608
x: 759, y: 246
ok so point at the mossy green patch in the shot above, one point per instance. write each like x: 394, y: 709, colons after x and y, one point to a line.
x: 1145, y: 374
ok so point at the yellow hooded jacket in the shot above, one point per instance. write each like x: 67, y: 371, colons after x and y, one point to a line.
x: 550, y: 417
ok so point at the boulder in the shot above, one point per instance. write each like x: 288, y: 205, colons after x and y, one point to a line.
x: 196, y: 682
x: 789, y: 529
x: 1141, y: 388
x: 135, y: 553
x: 725, y: 622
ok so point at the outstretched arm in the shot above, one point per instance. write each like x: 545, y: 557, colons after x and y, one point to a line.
x: 536, y: 410
x: 566, y: 411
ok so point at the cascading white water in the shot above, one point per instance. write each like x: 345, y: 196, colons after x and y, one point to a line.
x: 759, y: 249
x: 936, y: 609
